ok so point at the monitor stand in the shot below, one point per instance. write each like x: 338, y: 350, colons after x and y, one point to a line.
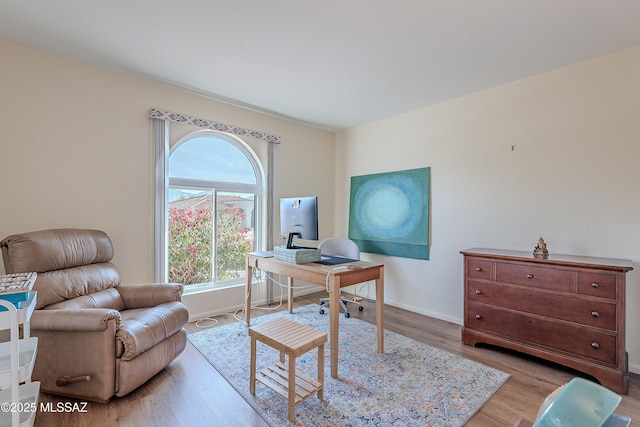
x: 290, y: 244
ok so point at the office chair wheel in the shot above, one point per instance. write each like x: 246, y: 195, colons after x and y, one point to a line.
x: 347, y: 315
x: 360, y: 308
x: 322, y: 311
x: 321, y: 302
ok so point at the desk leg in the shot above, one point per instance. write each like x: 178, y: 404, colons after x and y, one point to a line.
x: 334, y: 313
x: 247, y: 295
x: 290, y: 294
x: 380, y: 310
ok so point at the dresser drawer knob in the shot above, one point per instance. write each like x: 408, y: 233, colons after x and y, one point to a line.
x: 478, y: 316
x: 478, y: 291
x: 595, y: 314
x: 595, y: 285
x: 595, y: 345
x: 529, y: 276
x: 479, y: 269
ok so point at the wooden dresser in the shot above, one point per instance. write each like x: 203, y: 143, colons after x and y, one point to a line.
x: 566, y: 309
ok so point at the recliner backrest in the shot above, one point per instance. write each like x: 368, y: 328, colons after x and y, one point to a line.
x: 70, y: 263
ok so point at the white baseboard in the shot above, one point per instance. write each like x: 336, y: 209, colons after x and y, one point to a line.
x: 430, y: 313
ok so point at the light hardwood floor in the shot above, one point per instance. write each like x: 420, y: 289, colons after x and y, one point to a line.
x: 190, y: 392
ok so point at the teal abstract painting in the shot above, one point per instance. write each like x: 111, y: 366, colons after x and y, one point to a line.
x: 389, y: 213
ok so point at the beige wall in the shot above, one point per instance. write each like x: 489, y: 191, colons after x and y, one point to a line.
x: 572, y: 177
x: 76, y: 151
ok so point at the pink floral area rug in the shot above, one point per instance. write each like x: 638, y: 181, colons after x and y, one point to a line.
x: 410, y: 384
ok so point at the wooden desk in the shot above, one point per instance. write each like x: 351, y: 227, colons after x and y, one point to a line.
x: 317, y: 274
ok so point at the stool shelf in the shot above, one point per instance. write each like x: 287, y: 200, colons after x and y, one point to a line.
x: 276, y: 377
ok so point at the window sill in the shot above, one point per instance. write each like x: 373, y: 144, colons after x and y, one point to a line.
x: 205, y: 288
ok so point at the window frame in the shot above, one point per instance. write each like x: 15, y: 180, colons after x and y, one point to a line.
x: 258, y: 189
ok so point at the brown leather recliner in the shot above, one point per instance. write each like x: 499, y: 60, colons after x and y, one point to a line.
x: 95, y: 337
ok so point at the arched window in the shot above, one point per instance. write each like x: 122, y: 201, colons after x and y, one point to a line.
x: 214, y: 209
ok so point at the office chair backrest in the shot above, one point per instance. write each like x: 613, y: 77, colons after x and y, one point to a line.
x: 340, y: 246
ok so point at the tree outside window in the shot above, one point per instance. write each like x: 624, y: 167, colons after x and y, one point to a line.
x: 191, y: 236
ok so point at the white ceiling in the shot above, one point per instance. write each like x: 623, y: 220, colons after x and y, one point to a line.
x: 334, y: 64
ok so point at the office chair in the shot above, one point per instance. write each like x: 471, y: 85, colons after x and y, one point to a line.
x: 342, y: 247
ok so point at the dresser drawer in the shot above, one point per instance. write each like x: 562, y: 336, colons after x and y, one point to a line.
x: 582, y: 311
x: 597, y: 284
x: 534, y: 276
x: 478, y: 268
x: 588, y: 342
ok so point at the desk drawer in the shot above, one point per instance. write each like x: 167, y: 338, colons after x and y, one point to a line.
x: 533, y: 276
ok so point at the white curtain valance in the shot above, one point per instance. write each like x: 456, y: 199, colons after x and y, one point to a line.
x: 209, y: 124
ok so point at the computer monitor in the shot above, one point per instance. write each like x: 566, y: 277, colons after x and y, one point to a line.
x: 299, y: 217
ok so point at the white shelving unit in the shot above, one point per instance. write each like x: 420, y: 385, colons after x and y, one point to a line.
x: 18, y: 395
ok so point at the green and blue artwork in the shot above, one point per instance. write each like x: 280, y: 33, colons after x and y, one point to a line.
x: 389, y: 213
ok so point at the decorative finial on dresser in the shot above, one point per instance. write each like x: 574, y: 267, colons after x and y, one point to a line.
x: 540, y: 250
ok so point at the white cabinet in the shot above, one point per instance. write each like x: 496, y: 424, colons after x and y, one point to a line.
x: 18, y: 395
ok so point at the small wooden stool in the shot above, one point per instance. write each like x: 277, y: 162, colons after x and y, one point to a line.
x: 292, y: 339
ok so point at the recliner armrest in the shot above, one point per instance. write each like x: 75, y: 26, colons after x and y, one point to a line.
x: 82, y: 320
x: 149, y: 294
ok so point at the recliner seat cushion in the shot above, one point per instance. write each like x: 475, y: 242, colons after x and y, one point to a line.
x: 143, y: 328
